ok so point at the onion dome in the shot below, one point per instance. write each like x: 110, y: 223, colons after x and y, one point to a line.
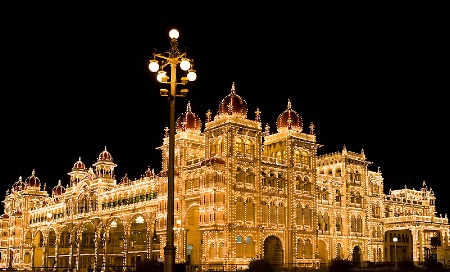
x: 79, y: 165
x: 289, y: 120
x: 188, y: 121
x: 58, y: 189
x: 125, y: 180
x: 233, y: 104
x: 19, y: 185
x: 214, y: 160
x: 33, y: 181
x: 105, y: 156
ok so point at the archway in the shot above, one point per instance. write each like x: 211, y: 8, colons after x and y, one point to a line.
x: 356, y: 257
x: 273, y: 252
x: 193, y: 237
x: 323, y: 252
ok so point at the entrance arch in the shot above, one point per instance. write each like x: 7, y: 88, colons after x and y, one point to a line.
x: 323, y: 252
x: 273, y: 252
x: 193, y: 237
x: 356, y: 257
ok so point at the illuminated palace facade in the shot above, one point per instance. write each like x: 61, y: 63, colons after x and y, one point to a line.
x: 241, y: 192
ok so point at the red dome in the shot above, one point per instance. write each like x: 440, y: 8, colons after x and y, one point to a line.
x: 289, y: 120
x: 233, y: 104
x: 32, y: 180
x: 79, y: 165
x: 58, y: 189
x: 105, y: 156
x: 188, y: 121
x: 19, y: 185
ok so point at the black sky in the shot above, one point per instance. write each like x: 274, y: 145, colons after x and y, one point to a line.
x: 76, y: 80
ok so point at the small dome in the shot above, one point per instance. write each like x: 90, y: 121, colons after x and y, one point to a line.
x: 19, y: 185
x: 105, y: 156
x: 149, y: 173
x: 188, y: 121
x: 5, y: 215
x: 213, y: 160
x: 233, y: 104
x: 32, y: 180
x: 79, y: 165
x: 58, y: 189
x: 125, y: 180
x: 289, y: 120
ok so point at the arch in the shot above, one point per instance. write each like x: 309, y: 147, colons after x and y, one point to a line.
x: 356, y: 257
x: 273, y: 252
x: 323, y: 251
x: 339, y: 252
x: 193, y: 236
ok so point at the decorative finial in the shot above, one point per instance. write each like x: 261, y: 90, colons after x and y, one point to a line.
x: 267, y: 129
x: 208, y: 116
x: 166, y: 132
x: 233, y: 88
x: 257, y: 113
x: 188, y: 106
x: 311, y: 128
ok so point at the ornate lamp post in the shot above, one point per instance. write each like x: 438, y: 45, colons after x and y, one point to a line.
x: 395, y: 240
x: 172, y: 59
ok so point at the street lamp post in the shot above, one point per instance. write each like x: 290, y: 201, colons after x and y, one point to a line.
x: 172, y: 59
x: 395, y: 240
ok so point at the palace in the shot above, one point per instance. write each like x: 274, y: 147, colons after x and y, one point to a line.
x: 241, y: 192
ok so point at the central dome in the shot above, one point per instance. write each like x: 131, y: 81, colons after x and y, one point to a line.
x: 289, y: 120
x: 233, y: 104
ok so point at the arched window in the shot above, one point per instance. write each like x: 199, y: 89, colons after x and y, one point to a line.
x: 239, y: 247
x: 298, y: 183
x: 338, y: 222
x: 248, y: 148
x: 250, y: 177
x: 297, y: 156
x: 240, y: 175
x: 281, y: 214
x: 239, y: 145
x: 307, y: 216
x: 250, y: 210
x: 265, y: 212
x: 239, y: 209
x: 305, y: 159
x: 300, y: 249
x: 264, y: 180
x: 218, y: 147
x: 298, y: 214
x: 249, y: 247
x: 308, y: 249
x: 273, y: 213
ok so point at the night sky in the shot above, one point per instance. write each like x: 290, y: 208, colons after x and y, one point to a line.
x: 76, y: 80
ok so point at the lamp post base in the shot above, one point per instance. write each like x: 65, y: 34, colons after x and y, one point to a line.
x: 169, y: 258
